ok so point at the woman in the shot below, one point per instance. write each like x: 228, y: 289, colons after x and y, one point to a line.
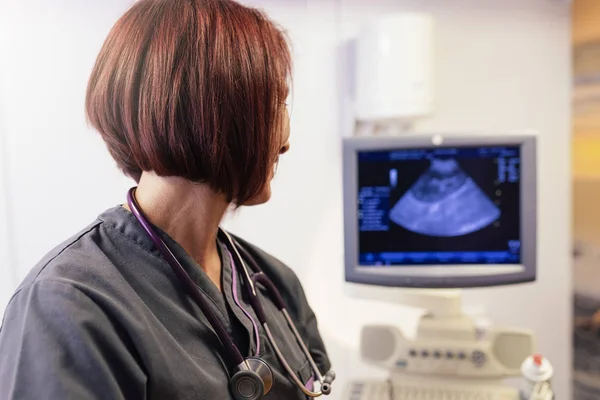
x: 189, y: 96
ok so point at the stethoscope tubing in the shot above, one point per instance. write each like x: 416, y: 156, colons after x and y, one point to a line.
x: 234, y: 357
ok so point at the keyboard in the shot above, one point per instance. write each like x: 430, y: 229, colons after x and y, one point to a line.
x: 382, y: 390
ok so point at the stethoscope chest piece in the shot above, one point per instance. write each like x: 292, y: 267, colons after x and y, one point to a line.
x: 252, y: 381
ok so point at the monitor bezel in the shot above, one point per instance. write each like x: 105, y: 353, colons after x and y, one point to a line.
x: 527, y: 270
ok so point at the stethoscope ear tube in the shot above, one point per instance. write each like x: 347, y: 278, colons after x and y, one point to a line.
x: 260, y: 277
x: 325, y: 384
x: 257, y: 277
x: 265, y: 281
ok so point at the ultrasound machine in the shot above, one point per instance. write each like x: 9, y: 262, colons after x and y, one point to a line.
x: 426, y: 216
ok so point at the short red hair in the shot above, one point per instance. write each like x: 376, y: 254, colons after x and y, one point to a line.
x: 195, y: 89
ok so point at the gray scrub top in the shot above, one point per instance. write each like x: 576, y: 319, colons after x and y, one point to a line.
x: 103, y: 316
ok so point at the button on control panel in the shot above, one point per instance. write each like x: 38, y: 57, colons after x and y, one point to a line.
x: 477, y: 357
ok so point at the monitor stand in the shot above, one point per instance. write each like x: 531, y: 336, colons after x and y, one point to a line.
x: 443, y: 313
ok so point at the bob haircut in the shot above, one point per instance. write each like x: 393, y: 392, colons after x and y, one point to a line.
x: 194, y: 89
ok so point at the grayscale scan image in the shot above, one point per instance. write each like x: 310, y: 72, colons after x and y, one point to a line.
x: 444, y: 201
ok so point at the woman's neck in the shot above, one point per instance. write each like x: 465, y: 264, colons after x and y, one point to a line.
x: 190, y: 213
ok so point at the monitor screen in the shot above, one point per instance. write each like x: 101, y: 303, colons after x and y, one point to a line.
x: 457, y: 205
x: 453, y: 215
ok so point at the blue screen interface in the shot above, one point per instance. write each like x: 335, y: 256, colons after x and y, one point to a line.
x: 439, y: 206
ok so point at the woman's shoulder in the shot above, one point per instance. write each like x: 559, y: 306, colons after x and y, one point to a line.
x: 66, y: 259
x: 66, y: 282
x: 62, y: 311
x: 87, y: 262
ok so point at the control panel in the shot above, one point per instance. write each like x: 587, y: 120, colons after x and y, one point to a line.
x: 448, y: 358
x: 497, y: 356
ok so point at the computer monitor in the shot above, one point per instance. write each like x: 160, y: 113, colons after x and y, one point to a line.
x: 440, y: 211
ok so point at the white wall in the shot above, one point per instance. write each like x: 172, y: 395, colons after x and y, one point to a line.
x: 8, y: 277
x: 501, y: 64
x: 58, y: 171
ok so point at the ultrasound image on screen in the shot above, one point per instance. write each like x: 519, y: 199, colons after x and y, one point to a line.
x: 439, y: 206
x: 444, y: 201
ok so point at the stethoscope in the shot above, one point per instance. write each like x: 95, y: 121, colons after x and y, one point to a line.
x: 250, y: 377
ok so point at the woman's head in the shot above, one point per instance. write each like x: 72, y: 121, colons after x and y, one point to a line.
x: 194, y: 89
